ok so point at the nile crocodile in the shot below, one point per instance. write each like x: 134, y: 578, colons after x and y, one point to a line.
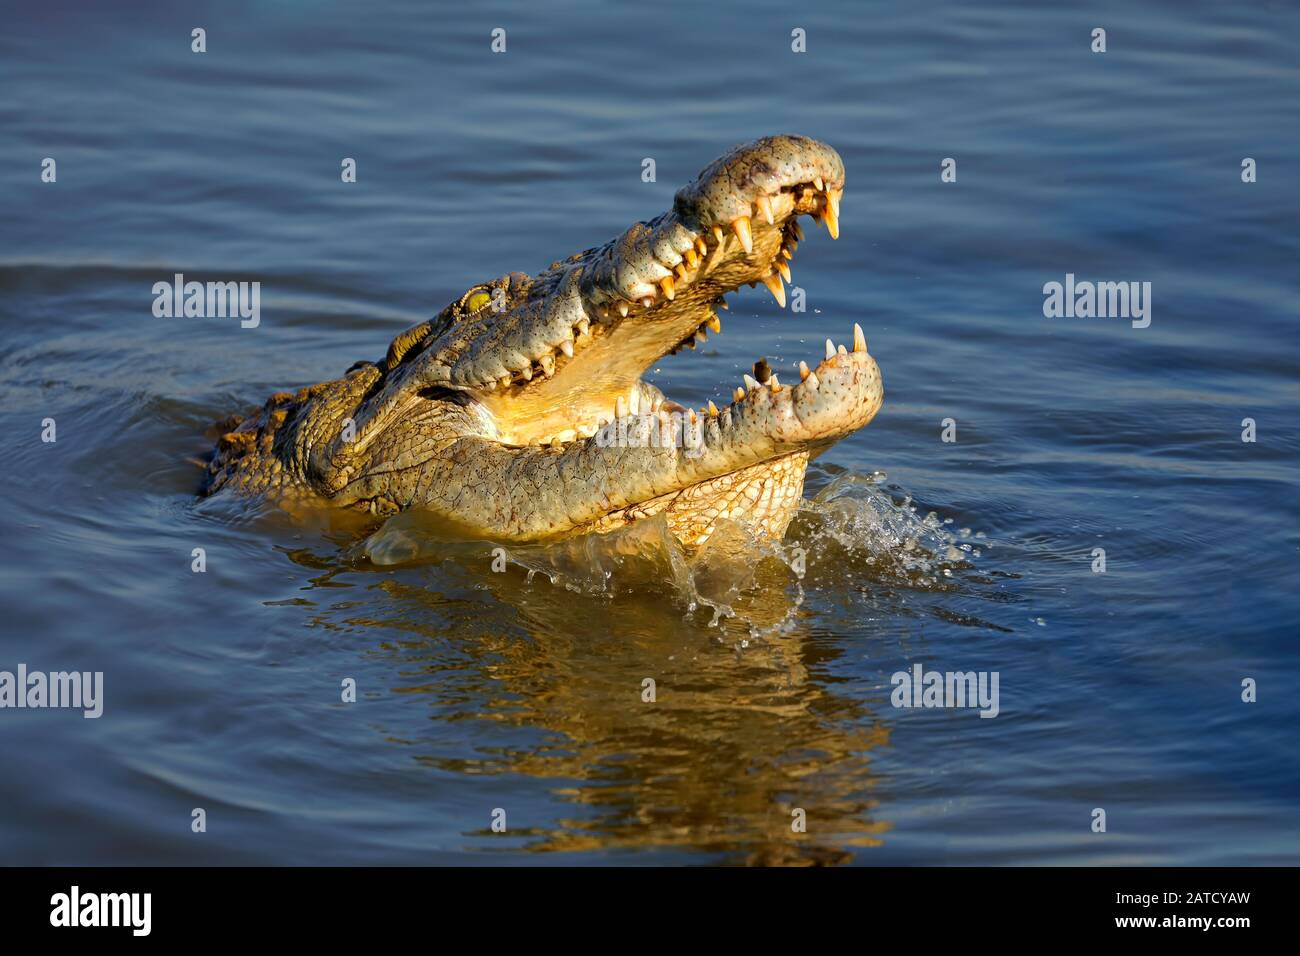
x: 519, y: 413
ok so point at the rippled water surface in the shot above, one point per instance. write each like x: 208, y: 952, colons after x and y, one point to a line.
x: 522, y: 690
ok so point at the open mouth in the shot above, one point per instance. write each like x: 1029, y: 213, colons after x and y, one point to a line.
x: 583, y: 334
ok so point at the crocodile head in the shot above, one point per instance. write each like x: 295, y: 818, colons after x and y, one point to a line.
x: 519, y: 411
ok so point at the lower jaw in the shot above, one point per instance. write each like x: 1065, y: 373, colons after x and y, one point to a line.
x: 764, y: 497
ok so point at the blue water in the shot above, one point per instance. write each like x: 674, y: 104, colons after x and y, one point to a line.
x: 480, y: 691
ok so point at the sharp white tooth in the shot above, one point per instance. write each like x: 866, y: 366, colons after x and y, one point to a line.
x: 764, y: 206
x: 740, y: 226
x: 583, y: 327
x: 738, y: 395
x: 821, y: 186
x: 620, y: 407
x: 773, y: 384
x: 527, y: 373
x: 803, y: 371
x: 634, y: 401
x: 623, y: 308
x: 548, y: 365
x: 774, y: 286
x: 565, y: 436
x: 811, y: 381
x: 843, y: 351
x: 647, y: 301
x: 713, y: 409
x: 567, y: 349
x: 751, y: 383
x: 859, y: 340
x: 715, y: 324
x: 830, y: 349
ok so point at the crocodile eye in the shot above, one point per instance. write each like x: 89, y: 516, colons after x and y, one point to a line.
x: 477, y: 301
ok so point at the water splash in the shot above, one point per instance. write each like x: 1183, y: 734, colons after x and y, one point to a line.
x: 851, y: 527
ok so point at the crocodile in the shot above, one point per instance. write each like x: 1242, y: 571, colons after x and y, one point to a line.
x: 519, y: 413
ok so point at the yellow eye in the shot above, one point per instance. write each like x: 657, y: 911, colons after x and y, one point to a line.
x: 477, y: 301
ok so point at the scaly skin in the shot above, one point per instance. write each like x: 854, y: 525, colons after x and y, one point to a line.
x: 518, y: 413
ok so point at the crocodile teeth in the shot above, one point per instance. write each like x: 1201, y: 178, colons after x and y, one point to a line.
x: 700, y: 336
x: 831, y: 217
x: 526, y: 373
x: 567, y: 349
x: 750, y: 383
x: 583, y: 326
x: 830, y: 349
x: 773, y: 384
x: 717, y: 234
x: 680, y: 270
x: 811, y: 381
x: 701, y: 246
x: 803, y: 371
x: 833, y: 200
x: 776, y: 287
x: 565, y: 436
x: 666, y: 284
x: 620, y: 407
x: 740, y: 226
x: 634, y: 401
x: 843, y: 351
x: 623, y: 309
x: 859, y: 340
x: 784, y: 269
x: 764, y: 206
x: 647, y: 301
x: 714, y: 324
x: 722, y: 304
x: 797, y: 231
x: 692, y: 257
x: 547, y: 362
x: 713, y: 409
x: 504, y: 381
x: 738, y: 395
x: 817, y: 181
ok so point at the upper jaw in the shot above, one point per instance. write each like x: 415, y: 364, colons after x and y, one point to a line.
x: 734, y: 214
x: 651, y: 288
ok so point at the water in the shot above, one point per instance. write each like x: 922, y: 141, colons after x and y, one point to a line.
x: 522, y: 690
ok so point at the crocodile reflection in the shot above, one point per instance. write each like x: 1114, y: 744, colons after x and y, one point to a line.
x: 737, y: 739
